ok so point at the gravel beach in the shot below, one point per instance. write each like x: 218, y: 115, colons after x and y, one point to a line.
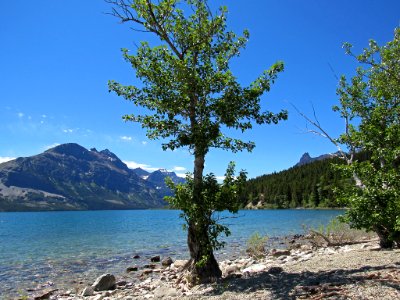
x: 358, y: 271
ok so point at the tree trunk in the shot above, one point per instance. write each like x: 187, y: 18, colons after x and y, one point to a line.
x: 385, y: 241
x: 202, y: 265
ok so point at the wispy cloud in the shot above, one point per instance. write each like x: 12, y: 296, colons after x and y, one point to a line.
x: 126, y: 138
x: 144, y: 143
x: 178, y: 169
x: 5, y: 159
x: 134, y: 165
x: 68, y: 130
x: 20, y: 115
x: 50, y: 146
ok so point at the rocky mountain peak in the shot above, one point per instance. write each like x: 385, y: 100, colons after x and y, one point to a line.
x: 306, y: 158
x: 69, y: 149
x: 70, y: 177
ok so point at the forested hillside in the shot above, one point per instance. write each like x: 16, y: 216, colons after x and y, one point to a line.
x: 309, y: 185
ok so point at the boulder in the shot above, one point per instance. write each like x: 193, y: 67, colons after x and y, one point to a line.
x: 150, y: 266
x: 45, y: 294
x: 131, y: 269
x: 275, y: 270
x: 277, y: 253
x: 147, y: 271
x: 155, y: 258
x: 180, y: 263
x: 87, y: 291
x: 165, y: 292
x: 104, y: 282
x: 166, y: 262
x: 231, y: 269
x: 255, y: 268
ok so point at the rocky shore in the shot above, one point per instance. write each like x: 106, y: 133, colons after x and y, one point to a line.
x: 358, y: 271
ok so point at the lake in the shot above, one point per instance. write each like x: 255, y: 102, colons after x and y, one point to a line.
x: 71, y: 247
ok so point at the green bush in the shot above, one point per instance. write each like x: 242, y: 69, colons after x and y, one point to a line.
x: 256, y: 245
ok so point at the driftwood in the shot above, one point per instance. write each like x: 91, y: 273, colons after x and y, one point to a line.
x: 339, y: 242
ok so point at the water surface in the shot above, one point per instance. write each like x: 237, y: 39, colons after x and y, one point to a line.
x: 71, y: 247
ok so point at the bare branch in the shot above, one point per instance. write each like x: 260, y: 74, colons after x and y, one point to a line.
x: 323, y: 133
x: 160, y: 30
x: 333, y: 72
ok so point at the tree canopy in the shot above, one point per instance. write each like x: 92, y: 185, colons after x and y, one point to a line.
x: 369, y: 105
x: 191, y: 97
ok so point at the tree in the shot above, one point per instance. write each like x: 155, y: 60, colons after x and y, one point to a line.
x: 372, y: 99
x: 369, y: 105
x: 191, y: 96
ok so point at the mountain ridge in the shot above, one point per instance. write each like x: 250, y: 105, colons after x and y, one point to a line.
x: 70, y: 177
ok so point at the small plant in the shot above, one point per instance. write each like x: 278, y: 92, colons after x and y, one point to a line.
x: 255, y: 245
x: 22, y: 295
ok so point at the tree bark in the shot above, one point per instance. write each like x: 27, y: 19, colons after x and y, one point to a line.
x: 385, y: 241
x: 202, y: 265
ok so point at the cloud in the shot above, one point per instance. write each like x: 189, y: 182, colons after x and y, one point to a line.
x: 68, y: 130
x: 134, y: 165
x: 126, y: 138
x: 5, y: 158
x: 50, y: 146
x: 178, y: 169
x: 20, y: 115
x: 144, y: 143
x: 183, y: 175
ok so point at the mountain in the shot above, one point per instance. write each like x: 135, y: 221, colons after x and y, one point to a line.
x: 157, y: 178
x: 141, y: 173
x: 306, y: 158
x: 70, y: 177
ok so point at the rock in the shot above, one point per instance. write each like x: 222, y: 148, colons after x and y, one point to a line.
x: 165, y: 292
x: 150, y: 266
x: 275, y: 270
x: 104, y: 282
x: 87, y: 291
x: 136, y: 257
x: 122, y: 283
x: 255, y: 268
x: 277, y: 253
x: 132, y: 269
x: 166, y: 262
x: 231, y: 269
x: 45, y: 294
x: 306, y: 247
x: 155, y: 258
x: 147, y: 271
x: 179, y: 263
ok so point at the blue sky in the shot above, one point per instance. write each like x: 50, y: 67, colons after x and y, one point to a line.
x: 56, y: 57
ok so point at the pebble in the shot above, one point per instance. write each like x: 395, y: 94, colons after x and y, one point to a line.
x: 169, y: 282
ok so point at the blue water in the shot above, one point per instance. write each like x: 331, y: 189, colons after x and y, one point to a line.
x: 71, y: 247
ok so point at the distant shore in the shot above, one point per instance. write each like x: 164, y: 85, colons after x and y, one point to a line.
x: 358, y: 271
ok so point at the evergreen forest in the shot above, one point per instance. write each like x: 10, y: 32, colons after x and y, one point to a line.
x: 311, y: 185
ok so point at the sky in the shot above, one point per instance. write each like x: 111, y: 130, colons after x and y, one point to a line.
x: 56, y: 57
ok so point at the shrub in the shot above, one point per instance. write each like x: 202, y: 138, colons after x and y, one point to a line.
x: 256, y: 245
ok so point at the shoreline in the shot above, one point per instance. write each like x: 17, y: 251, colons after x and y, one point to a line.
x: 358, y: 271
